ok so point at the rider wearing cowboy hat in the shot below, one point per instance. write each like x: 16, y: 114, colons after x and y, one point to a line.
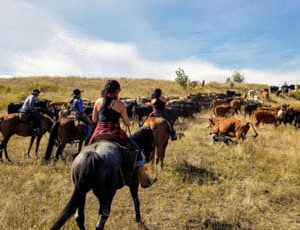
x: 77, y: 109
x: 31, y: 111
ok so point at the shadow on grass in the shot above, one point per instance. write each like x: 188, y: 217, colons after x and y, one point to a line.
x: 218, y: 225
x: 191, y: 174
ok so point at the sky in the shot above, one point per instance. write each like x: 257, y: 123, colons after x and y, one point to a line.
x: 152, y: 39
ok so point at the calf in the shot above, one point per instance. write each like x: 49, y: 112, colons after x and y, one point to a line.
x: 236, y: 105
x: 265, y: 116
x: 231, y: 127
x: 252, y: 106
x: 221, y: 110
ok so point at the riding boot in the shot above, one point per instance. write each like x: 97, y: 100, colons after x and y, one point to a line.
x: 172, y: 131
x: 144, y: 179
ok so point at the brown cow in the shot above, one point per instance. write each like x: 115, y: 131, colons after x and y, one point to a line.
x: 265, y: 116
x: 236, y: 105
x: 265, y: 95
x: 221, y: 110
x: 231, y: 127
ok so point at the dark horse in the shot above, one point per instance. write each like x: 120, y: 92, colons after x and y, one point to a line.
x: 98, y: 168
x: 63, y: 132
x: 10, y: 125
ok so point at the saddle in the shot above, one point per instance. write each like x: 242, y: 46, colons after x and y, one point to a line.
x: 129, y: 156
x: 23, y: 117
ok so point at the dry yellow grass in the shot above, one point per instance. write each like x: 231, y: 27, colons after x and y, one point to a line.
x: 255, y: 185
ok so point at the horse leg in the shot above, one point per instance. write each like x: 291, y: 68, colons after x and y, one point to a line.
x: 30, y: 145
x: 79, y: 215
x: 78, y: 151
x: 153, y: 158
x: 38, y: 140
x: 162, y: 155
x: 134, y: 194
x: 59, y: 151
x: 4, y: 144
x: 105, y: 205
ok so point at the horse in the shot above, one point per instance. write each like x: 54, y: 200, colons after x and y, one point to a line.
x: 11, y: 124
x: 161, y: 133
x: 98, y: 168
x: 64, y: 132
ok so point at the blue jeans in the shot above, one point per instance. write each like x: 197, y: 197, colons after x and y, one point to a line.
x: 36, y: 118
x: 88, y: 130
x: 140, y: 159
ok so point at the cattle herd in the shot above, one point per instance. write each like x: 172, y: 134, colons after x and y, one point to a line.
x: 220, y: 105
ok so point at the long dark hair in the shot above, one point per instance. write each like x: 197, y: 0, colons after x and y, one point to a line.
x: 156, y: 93
x: 111, y: 86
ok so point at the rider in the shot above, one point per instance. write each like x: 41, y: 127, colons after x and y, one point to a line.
x: 31, y: 111
x: 77, y: 110
x: 158, y: 103
x: 107, y: 112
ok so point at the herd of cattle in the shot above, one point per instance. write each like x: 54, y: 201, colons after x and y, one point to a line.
x: 221, y: 105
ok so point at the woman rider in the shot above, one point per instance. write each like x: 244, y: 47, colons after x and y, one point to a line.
x: 158, y: 103
x: 107, y: 112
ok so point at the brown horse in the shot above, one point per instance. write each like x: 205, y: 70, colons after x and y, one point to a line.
x: 161, y: 133
x: 65, y: 132
x: 11, y: 124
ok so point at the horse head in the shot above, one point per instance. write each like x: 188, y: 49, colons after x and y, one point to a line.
x: 145, y: 140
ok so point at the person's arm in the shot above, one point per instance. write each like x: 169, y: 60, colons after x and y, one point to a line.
x: 162, y: 98
x: 153, y: 101
x: 121, y: 108
x: 80, y: 105
x: 31, y: 104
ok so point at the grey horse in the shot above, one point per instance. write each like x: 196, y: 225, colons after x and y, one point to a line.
x: 98, y: 168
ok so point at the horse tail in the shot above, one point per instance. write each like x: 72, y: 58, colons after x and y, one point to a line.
x: 51, y: 142
x: 82, y: 169
x: 70, y: 208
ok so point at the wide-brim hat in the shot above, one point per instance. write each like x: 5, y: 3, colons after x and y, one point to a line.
x: 77, y: 91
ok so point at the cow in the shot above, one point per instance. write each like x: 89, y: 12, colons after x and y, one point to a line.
x: 14, y: 107
x: 58, y: 105
x: 231, y: 127
x: 221, y: 110
x: 285, y: 89
x: 251, y: 106
x: 42, y: 105
x: 265, y: 95
x: 292, y: 87
x: 274, y: 89
x: 236, y: 105
x: 265, y: 116
x: 230, y: 93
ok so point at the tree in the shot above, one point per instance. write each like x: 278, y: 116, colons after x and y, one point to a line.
x: 238, y: 77
x: 183, y: 80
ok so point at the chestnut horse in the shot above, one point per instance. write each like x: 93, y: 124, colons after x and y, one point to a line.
x: 65, y: 132
x: 11, y: 124
x: 161, y: 133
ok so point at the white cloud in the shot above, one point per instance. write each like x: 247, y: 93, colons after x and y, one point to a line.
x: 39, y: 41
x: 67, y: 53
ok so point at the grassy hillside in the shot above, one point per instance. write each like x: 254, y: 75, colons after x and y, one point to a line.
x: 255, y: 185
